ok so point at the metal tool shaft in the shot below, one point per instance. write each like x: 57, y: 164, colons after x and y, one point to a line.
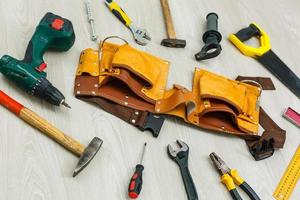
x: 143, y: 153
x: 94, y: 36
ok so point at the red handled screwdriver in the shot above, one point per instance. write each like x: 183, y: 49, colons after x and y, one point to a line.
x: 136, y: 181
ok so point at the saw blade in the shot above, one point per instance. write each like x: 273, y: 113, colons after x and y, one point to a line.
x: 279, y: 69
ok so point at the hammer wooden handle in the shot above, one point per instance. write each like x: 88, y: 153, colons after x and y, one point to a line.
x: 48, y: 129
x: 41, y: 124
x: 168, y: 19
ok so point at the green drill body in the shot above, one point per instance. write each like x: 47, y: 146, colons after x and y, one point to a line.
x: 53, y: 33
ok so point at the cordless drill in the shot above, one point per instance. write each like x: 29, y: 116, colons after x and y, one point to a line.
x: 54, y: 33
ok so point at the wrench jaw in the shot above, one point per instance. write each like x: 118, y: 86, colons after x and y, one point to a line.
x: 141, y: 36
x: 174, y: 153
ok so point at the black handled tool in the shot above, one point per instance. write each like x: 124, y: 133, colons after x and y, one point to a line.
x: 136, y: 182
x: 212, y: 38
x: 230, y: 177
x: 266, y: 56
x: 181, y: 156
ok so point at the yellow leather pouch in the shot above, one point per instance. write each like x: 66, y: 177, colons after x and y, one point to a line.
x: 140, y: 77
x: 88, y: 63
x: 236, y: 99
x: 151, y: 70
x: 215, y: 103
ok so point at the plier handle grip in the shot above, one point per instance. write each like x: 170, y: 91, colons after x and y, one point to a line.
x: 230, y: 178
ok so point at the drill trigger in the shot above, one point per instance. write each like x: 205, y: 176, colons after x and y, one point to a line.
x: 41, y: 67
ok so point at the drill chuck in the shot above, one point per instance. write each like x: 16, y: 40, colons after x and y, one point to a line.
x: 45, y: 90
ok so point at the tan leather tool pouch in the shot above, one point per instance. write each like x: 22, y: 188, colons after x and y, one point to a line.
x: 123, y: 75
x: 216, y: 103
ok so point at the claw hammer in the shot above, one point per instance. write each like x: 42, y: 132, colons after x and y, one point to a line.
x: 85, y: 154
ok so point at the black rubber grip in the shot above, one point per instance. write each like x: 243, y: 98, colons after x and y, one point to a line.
x: 235, y: 195
x: 212, y: 22
x: 251, y: 193
x: 247, y: 33
x: 119, y: 16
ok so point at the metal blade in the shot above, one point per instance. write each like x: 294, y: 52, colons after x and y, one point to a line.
x: 88, y: 155
x: 279, y: 69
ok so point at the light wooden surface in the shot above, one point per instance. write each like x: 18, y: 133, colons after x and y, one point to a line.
x: 32, y: 167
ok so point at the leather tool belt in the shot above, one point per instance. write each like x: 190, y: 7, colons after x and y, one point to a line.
x: 131, y: 85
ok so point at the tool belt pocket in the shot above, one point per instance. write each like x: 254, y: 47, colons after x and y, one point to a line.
x: 231, y: 105
x: 125, y: 75
x: 88, y: 63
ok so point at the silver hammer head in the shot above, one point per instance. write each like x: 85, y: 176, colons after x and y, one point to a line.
x: 89, y: 153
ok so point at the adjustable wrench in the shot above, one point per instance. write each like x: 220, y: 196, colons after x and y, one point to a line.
x: 181, y: 156
x: 140, y: 35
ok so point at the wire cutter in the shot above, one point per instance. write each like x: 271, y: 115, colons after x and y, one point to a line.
x: 230, y: 177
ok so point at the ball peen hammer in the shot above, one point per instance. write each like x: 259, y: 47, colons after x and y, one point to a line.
x: 85, y: 154
x: 171, y: 41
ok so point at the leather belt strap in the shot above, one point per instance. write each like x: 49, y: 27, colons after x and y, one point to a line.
x: 265, y: 82
x: 273, y: 136
x: 140, y: 119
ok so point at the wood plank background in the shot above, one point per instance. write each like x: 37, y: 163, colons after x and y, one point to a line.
x: 32, y: 167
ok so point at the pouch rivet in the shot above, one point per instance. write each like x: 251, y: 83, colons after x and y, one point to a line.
x: 136, y: 113
x: 78, y: 85
x: 93, y: 92
x: 78, y: 92
x: 126, y: 97
x: 158, y: 102
x: 133, y: 121
x: 126, y: 103
x: 250, y: 117
x: 94, y: 73
x: 96, y: 85
x: 222, y: 127
x: 157, y: 110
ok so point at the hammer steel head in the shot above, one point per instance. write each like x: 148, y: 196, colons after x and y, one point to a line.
x: 175, y: 43
x: 89, y: 153
x: 183, y: 148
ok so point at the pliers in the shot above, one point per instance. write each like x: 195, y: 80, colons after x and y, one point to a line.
x: 230, y: 177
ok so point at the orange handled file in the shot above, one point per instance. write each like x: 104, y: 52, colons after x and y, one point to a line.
x: 10, y: 103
